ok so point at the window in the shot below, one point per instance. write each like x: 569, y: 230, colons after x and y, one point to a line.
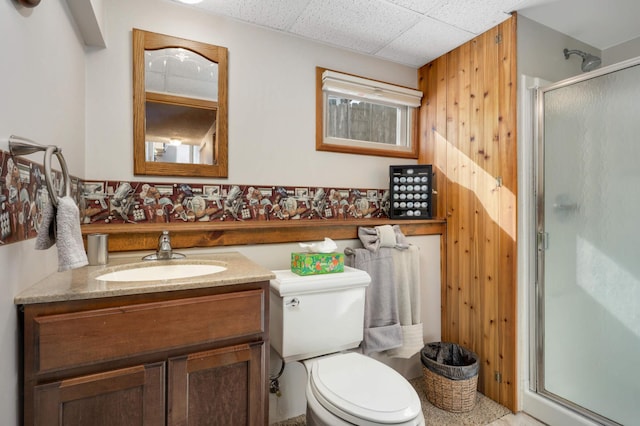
x: 362, y: 116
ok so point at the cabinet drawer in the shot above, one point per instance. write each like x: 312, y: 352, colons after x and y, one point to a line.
x: 83, y: 338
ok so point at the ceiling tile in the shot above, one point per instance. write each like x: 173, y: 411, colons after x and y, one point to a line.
x: 278, y: 14
x: 420, y: 6
x: 475, y: 16
x: 372, y: 26
x: 424, y: 42
x: 362, y: 25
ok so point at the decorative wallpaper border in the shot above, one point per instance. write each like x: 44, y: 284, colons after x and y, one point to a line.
x: 23, y: 195
x: 140, y: 202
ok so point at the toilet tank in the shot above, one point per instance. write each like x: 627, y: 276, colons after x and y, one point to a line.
x: 314, y: 315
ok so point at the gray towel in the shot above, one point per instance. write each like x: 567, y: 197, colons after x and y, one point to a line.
x: 61, y: 226
x: 382, y: 329
x: 406, y: 265
x: 370, y: 237
x: 47, y: 232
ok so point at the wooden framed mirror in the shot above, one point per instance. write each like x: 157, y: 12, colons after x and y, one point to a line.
x: 180, y: 106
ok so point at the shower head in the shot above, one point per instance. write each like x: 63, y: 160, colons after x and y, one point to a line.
x: 589, y: 62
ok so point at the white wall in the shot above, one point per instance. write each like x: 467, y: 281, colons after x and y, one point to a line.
x: 540, y: 52
x: 271, y: 98
x: 42, y: 87
x: 622, y: 52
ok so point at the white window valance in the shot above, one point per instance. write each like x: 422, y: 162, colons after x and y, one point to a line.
x: 369, y: 89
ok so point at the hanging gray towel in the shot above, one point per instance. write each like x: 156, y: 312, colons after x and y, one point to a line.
x: 382, y: 329
x: 406, y: 264
x: 61, y: 226
x: 47, y: 231
x: 382, y: 236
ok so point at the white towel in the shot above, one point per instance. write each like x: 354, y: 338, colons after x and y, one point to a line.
x: 61, y: 226
x: 406, y: 265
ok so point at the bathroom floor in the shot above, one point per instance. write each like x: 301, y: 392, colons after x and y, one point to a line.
x: 518, y: 419
x: 485, y: 412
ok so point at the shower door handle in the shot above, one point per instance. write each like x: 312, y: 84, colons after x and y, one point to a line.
x: 563, y: 203
x: 565, y: 207
x: 543, y: 241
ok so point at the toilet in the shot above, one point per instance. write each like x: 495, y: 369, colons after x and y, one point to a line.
x: 317, y: 320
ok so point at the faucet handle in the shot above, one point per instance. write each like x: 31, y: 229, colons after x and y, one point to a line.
x: 165, y: 251
x: 164, y: 242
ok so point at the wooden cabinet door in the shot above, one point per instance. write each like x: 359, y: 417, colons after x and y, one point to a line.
x: 219, y: 387
x: 127, y: 397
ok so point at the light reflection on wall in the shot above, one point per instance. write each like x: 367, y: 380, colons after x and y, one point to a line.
x: 498, y: 201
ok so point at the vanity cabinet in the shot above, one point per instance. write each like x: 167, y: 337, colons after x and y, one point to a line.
x: 128, y: 396
x: 194, y: 357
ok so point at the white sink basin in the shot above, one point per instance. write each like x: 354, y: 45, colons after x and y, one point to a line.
x: 161, y: 272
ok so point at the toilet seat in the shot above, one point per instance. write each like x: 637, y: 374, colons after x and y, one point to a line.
x: 363, y: 391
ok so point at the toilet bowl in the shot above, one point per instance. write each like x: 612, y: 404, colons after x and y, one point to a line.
x: 353, y: 389
x: 317, y: 319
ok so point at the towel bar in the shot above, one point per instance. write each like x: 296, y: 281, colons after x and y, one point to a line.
x: 22, y: 146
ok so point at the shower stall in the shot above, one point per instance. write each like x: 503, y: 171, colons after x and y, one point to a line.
x: 585, y: 262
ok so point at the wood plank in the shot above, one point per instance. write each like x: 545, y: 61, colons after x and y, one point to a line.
x: 442, y: 143
x: 129, y: 237
x: 476, y: 126
x: 466, y: 194
x: 426, y: 114
x: 442, y: 182
x: 477, y: 147
x: 453, y: 196
x: 507, y: 297
x: 490, y: 279
x: 433, y: 122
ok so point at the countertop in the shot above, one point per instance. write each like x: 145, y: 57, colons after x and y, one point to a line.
x: 81, y: 283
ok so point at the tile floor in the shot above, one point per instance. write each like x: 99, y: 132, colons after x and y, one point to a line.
x: 518, y: 419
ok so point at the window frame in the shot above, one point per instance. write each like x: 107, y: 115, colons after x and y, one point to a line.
x: 350, y: 146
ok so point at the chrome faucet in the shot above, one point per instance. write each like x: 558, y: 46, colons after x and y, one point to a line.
x: 164, y: 252
x: 164, y: 246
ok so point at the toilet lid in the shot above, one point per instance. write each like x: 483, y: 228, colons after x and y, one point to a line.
x: 364, y: 388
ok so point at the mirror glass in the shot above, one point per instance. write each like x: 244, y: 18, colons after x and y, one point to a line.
x: 180, y: 106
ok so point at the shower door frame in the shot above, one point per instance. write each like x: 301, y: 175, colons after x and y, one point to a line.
x: 536, y: 353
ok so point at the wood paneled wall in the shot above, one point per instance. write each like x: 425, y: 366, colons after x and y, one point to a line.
x: 468, y: 132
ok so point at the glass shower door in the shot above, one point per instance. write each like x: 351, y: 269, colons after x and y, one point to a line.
x: 589, y: 245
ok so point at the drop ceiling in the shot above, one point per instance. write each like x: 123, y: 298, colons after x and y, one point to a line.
x: 414, y: 32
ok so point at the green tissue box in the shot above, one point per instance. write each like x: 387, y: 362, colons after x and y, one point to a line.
x: 317, y: 263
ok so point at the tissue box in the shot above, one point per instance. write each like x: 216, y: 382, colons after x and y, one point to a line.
x: 317, y: 263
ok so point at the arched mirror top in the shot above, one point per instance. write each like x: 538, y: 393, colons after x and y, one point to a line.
x: 178, y: 71
x: 180, y: 106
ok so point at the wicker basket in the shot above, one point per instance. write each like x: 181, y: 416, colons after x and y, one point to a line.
x: 456, y: 396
